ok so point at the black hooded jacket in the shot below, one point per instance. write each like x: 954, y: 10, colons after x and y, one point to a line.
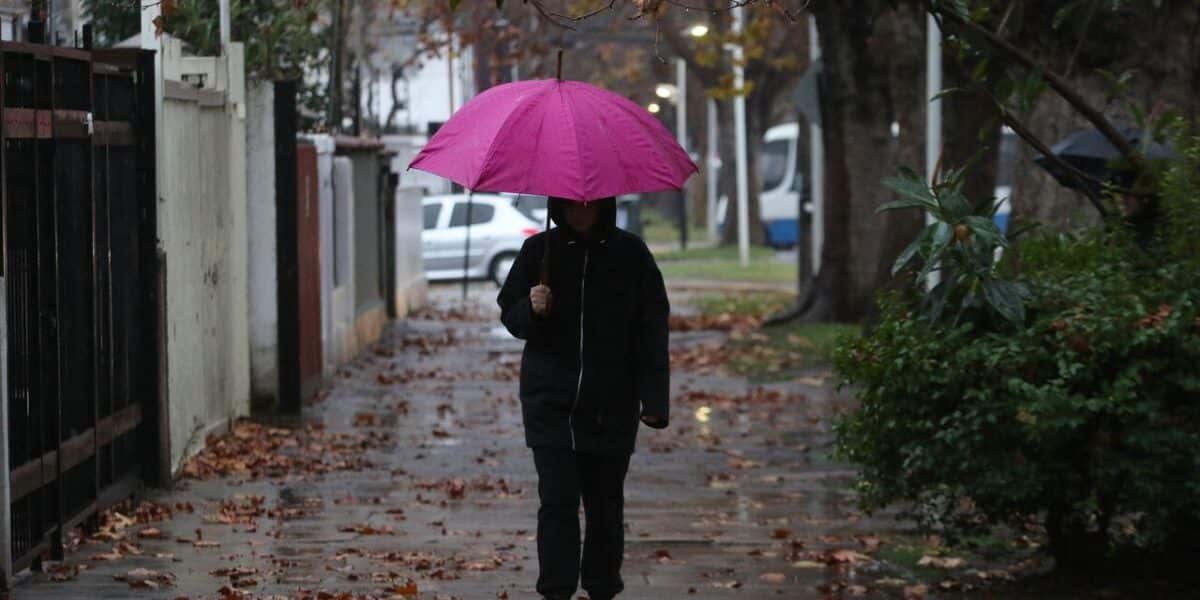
x: 599, y: 361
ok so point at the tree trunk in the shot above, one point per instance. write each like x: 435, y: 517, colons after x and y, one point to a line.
x: 1160, y: 46
x: 872, y: 78
x: 389, y: 122
x: 337, y: 64
x: 727, y: 178
x: 970, y: 126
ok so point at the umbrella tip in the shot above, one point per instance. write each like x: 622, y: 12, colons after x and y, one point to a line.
x: 560, y: 53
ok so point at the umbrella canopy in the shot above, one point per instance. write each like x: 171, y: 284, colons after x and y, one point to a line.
x: 548, y: 137
x: 1089, y: 151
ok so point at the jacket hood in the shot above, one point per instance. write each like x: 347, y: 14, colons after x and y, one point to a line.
x: 606, y: 217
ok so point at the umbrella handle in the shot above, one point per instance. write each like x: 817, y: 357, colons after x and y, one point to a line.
x: 544, y: 278
x: 560, y: 64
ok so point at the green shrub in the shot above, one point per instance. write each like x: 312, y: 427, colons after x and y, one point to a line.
x: 1083, y: 414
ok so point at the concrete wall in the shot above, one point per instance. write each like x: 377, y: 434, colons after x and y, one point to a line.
x: 345, y: 339
x: 203, y: 229
x: 368, y: 229
x: 260, y: 199
x: 325, y: 198
x: 411, y: 287
x: 406, y: 148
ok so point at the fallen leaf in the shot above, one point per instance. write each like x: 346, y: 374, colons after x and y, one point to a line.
x: 808, y: 564
x: 407, y: 590
x: 916, y: 592
x: 773, y: 578
x: 938, y: 562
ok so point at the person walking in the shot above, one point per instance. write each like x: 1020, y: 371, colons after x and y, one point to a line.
x: 595, y: 365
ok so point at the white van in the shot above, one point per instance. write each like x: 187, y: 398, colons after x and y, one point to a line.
x: 781, y: 187
x: 783, y: 182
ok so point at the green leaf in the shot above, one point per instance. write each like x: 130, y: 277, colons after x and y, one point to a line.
x: 911, y: 186
x: 946, y: 92
x: 985, y: 230
x: 454, y: 4
x: 1006, y: 298
x: 937, y: 299
x: 907, y: 255
x: 941, y: 234
x: 898, y: 204
x: 954, y: 203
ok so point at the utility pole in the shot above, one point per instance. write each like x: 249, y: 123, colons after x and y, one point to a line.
x: 335, y: 68
x: 816, y: 145
x: 223, y: 15
x: 933, y: 118
x: 713, y: 164
x: 739, y: 126
x: 681, y: 135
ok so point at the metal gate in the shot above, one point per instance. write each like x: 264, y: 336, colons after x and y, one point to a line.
x: 78, y: 221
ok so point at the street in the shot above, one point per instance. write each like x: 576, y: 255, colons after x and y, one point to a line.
x: 410, y: 479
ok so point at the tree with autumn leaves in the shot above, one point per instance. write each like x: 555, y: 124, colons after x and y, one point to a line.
x: 872, y: 77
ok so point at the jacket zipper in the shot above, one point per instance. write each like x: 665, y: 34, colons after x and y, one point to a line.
x: 579, y: 380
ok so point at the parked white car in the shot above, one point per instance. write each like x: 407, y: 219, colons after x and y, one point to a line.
x: 498, y: 229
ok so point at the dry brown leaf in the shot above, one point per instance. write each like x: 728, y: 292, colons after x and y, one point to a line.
x: 773, y: 578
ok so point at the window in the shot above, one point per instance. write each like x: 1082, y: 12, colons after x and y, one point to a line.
x: 526, y: 204
x: 774, y: 164
x: 431, y: 215
x: 480, y: 214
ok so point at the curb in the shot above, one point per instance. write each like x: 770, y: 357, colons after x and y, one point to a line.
x: 730, y: 285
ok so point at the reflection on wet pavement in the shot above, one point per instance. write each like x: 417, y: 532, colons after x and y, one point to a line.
x: 410, y: 479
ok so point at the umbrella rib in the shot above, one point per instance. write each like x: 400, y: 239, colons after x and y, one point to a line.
x: 663, y: 155
x: 566, y: 100
x: 523, y: 106
x: 529, y: 164
x: 625, y: 172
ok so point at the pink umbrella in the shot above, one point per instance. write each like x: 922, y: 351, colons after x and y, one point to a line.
x: 557, y: 138
x: 551, y: 137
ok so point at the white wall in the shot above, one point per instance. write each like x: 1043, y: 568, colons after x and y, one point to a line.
x: 411, y: 287
x: 264, y: 283
x: 345, y: 338
x: 428, y: 86
x: 202, y: 226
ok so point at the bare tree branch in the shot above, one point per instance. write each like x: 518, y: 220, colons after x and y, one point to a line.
x: 1056, y: 82
x: 1085, y: 181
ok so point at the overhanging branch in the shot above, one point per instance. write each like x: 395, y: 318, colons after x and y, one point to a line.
x: 1056, y: 82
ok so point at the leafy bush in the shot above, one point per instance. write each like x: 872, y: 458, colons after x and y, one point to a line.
x: 1083, y: 412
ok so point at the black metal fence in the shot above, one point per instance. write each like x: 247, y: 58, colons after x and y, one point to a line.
x: 81, y: 270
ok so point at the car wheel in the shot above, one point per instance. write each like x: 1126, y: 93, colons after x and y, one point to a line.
x: 501, y: 265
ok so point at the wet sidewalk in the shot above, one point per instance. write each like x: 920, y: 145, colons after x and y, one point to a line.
x: 409, y: 479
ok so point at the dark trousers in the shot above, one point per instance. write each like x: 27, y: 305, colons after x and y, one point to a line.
x: 563, y: 478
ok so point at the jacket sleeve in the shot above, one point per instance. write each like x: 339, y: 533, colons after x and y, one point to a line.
x: 652, y: 369
x: 516, y: 311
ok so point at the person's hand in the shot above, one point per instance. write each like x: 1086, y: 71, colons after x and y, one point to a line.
x: 651, y: 420
x: 539, y: 297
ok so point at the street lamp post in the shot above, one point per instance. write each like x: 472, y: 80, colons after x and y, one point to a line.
x: 933, y: 121
x: 713, y: 165
x: 681, y: 134
x: 739, y: 126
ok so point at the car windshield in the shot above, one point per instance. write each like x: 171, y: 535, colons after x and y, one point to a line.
x: 774, y: 164
x: 480, y: 214
x: 528, y: 205
x: 431, y: 215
